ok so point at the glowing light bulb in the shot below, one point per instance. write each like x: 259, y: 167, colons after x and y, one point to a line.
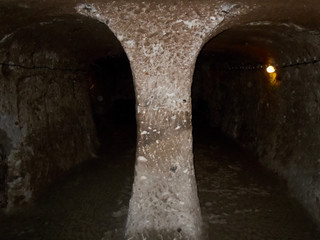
x: 271, y: 69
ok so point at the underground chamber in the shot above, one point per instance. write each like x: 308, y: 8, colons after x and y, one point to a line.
x: 64, y: 97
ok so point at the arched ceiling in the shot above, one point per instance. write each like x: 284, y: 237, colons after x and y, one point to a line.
x: 265, y: 43
x: 37, y: 30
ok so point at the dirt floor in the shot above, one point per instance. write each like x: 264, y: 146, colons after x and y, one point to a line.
x: 239, y: 198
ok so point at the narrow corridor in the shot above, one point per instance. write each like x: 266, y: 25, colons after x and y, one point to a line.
x: 239, y: 198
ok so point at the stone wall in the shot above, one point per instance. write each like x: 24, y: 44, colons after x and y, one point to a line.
x: 46, y: 124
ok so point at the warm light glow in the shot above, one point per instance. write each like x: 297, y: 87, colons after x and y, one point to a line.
x: 271, y: 69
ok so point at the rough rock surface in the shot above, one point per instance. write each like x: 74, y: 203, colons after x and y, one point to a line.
x: 45, y: 121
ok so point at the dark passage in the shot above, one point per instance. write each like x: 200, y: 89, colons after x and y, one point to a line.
x: 91, y: 200
x: 259, y: 120
x: 112, y: 91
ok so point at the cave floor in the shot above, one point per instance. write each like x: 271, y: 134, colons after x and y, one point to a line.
x: 239, y: 198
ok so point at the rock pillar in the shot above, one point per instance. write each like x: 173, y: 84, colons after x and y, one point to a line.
x: 162, y: 42
x: 164, y: 200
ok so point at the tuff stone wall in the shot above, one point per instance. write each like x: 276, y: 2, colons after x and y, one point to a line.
x: 46, y: 125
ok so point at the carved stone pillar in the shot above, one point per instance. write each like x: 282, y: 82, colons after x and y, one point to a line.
x: 162, y: 42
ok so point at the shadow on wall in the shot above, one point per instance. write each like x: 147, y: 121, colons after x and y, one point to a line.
x: 5, y: 149
x: 112, y: 91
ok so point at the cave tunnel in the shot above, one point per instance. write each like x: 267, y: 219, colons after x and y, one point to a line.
x: 256, y: 86
x: 96, y: 136
x: 67, y: 90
